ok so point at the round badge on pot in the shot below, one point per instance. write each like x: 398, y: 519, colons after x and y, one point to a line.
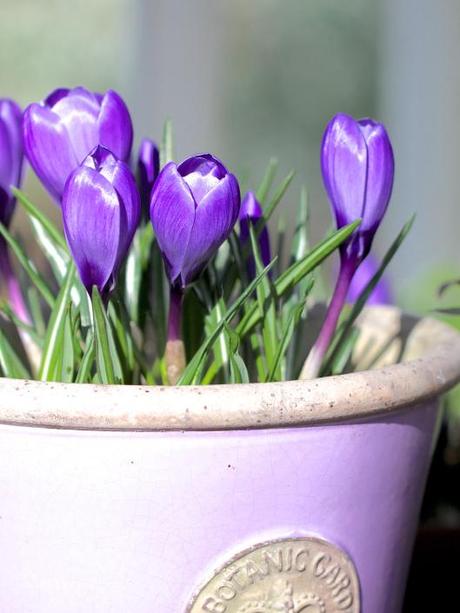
x: 295, y: 575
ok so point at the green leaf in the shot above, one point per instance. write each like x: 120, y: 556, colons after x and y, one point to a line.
x: 266, y: 299
x: 121, y: 327
x: 28, y: 266
x: 10, y: 364
x: 84, y: 374
x: 21, y: 325
x: 343, y: 353
x: 54, y: 339
x: 238, y: 371
x: 271, y: 206
x: 300, y: 242
x: 194, y: 367
x: 56, y: 255
x: 286, y: 337
x: 67, y: 362
x: 55, y: 235
x: 107, y: 360
x: 221, y: 348
x: 35, y: 310
x: 267, y: 181
x: 296, y: 272
x: 160, y: 300
x: 345, y: 329
x: 167, y: 144
x: 138, y: 274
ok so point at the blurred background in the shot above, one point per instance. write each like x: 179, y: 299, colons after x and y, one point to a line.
x: 251, y: 80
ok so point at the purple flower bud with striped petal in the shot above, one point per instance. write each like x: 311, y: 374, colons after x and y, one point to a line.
x: 193, y: 209
x: 358, y: 168
x: 381, y: 294
x: 250, y: 213
x: 63, y: 129
x: 101, y: 212
x: 11, y: 156
x: 148, y: 167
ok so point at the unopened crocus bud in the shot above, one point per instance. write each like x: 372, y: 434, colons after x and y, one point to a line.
x: 381, y: 294
x: 148, y: 167
x: 63, y: 129
x: 250, y: 213
x: 101, y: 211
x: 358, y: 169
x: 193, y: 209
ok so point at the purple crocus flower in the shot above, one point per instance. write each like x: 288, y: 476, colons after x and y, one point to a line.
x: 101, y: 211
x: 148, y: 167
x: 11, y: 161
x: 358, y: 169
x: 63, y: 129
x: 250, y: 213
x: 381, y: 294
x: 193, y: 209
x: 11, y: 156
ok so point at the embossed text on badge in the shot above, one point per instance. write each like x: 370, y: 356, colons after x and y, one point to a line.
x: 298, y: 575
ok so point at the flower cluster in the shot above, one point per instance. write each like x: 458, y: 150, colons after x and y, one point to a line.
x: 79, y: 143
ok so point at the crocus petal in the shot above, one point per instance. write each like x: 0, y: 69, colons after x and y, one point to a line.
x: 250, y: 213
x: 120, y: 176
x: 148, y: 167
x: 55, y: 96
x: 47, y: 147
x: 78, y: 115
x: 344, y: 168
x: 92, y: 223
x: 115, y: 126
x: 380, y: 173
x: 202, y: 173
x: 6, y: 157
x: 172, y: 211
x: 11, y: 118
x: 214, y: 218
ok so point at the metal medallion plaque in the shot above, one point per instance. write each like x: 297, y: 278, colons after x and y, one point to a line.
x: 298, y: 575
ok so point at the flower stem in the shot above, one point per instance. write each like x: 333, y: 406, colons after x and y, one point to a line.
x: 315, y: 358
x: 175, y: 351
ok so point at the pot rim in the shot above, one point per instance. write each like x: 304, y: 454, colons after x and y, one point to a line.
x: 241, y: 406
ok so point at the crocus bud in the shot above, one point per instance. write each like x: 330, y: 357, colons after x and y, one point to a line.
x: 358, y: 168
x: 148, y: 167
x: 63, y: 129
x: 381, y: 294
x: 101, y: 211
x: 193, y: 209
x: 11, y: 156
x: 250, y: 213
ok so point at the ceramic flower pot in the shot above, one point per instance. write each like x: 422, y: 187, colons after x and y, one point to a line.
x: 298, y: 497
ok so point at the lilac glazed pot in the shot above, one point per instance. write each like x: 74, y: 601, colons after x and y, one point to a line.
x: 296, y: 497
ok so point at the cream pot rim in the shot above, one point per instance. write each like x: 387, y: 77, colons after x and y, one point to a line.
x: 430, y: 366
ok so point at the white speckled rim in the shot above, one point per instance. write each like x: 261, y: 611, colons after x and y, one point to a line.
x: 431, y: 366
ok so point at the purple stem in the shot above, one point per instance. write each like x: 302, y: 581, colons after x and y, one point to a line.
x: 175, y: 315
x: 315, y: 358
x: 15, y: 296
